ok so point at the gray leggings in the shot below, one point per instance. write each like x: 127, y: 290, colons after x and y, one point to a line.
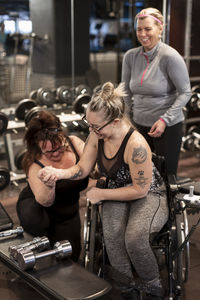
x: 126, y: 228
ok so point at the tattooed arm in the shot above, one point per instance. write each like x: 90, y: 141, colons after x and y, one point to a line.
x: 48, y: 175
x: 138, y: 156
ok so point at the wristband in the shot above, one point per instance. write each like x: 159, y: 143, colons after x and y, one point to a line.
x: 161, y: 119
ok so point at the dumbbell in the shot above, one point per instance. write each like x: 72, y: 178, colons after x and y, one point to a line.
x: 18, y: 231
x: 3, y: 122
x: 28, y: 259
x: 83, y: 96
x: 64, y: 95
x: 196, y: 88
x: 194, y: 103
x: 4, y: 178
x: 38, y: 243
x: 32, y: 113
x: 23, y: 107
x: 45, y: 96
x: 82, y: 89
x: 191, y: 141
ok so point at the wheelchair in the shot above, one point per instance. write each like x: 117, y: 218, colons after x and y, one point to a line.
x: 171, y: 245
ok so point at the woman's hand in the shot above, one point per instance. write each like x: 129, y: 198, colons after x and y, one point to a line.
x: 94, y: 195
x: 49, y: 175
x: 157, y: 129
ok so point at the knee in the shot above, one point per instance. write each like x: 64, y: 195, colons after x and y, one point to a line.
x: 33, y: 218
x: 137, y: 241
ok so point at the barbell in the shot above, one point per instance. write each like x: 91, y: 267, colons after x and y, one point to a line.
x: 27, y: 260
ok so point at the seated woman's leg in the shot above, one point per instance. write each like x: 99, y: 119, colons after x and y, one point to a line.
x: 32, y: 216
x: 114, y: 217
x: 143, y: 212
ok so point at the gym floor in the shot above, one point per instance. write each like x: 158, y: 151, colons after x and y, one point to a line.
x: 14, y: 288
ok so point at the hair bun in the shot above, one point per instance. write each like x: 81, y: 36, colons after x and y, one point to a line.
x: 107, y: 90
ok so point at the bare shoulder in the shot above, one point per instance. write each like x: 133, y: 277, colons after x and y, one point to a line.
x: 76, y: 140
x: 77, y: 143
x: 33, y: 171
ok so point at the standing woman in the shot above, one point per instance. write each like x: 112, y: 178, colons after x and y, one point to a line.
x: 158, y: 87
x: 51, y: 209
x: 134, y: 202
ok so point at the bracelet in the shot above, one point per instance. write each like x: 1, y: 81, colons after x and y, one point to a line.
x: 161, y: 119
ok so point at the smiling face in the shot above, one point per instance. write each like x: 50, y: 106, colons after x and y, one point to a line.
x: 101, y: 128
x: 52, y: 153
x: 148, y: 32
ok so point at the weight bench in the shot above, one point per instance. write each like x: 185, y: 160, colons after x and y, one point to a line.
x: 55, y: 279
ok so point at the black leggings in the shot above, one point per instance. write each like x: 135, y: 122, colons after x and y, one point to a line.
x: 168, y: 145
x: 38, y: 221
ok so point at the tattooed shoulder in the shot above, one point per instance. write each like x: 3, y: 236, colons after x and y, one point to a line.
x: 139, y: 155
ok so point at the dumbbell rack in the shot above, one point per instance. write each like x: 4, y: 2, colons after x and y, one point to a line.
x: 56, y: 279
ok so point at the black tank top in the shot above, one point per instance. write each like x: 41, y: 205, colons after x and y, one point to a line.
x: 67, y: 193
x: 115, y: 169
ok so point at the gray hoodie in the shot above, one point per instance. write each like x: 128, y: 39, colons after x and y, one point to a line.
x: 157, y: 83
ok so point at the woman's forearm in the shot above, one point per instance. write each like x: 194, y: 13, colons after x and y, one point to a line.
x: 48, y: 175
x: 46, y: 195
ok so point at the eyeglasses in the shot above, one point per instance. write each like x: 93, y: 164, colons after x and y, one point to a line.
x: 59, y: 149
x: 97, y: 129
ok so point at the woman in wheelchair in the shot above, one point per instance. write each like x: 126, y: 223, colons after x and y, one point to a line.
x: 134, y: 201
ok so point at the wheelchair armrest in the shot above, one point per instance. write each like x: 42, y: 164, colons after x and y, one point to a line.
x: 172, y: 182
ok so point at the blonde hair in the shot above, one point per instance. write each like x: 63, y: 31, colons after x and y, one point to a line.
x: 110, y: 100
x: 150, y: 11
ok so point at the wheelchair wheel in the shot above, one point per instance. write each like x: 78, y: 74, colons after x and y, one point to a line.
x: 184, y: 256
x: 86, y: 233
x: 181, y: 256
x: 93, y: 239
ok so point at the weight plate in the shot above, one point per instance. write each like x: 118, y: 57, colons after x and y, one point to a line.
x: 3, y: 122
x: 4, y: 178
x: 18, y: 159
x: 31, y: 113
x: 23, y: 107
x: 64, y: 94
x: 80, y: 103
x: 45, y: 97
